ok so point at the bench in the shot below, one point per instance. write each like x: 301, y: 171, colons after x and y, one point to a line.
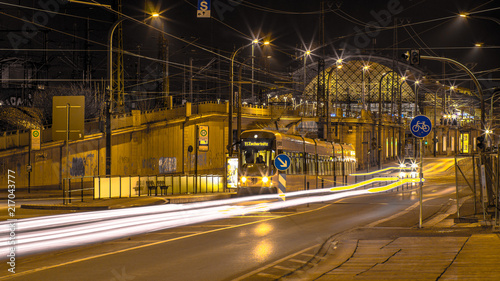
x: 151, y: 186
x: 163, y: 187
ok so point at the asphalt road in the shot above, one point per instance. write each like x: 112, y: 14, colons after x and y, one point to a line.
x: 232, y: 248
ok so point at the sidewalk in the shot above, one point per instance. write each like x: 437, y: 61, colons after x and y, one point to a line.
x: 441, y: 250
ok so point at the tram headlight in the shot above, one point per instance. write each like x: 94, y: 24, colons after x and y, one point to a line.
x: 265, y: 179
x: 243, y: 179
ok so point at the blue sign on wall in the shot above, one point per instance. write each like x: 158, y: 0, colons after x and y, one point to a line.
x: 421, y: 126
x: 203, y: 10
x: 282, y: 162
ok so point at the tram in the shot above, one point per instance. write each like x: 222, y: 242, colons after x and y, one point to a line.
x: 314, y: 163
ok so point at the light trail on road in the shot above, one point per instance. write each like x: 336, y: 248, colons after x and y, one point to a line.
x: 62, y: 231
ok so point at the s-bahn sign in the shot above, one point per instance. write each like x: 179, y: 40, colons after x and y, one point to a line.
x: 203, y: 138
x: 420, y: 126
x: 282, y: 162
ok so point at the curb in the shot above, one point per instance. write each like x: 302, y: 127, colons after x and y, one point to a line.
x: 60, y: 207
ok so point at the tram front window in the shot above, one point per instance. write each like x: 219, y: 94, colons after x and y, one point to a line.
x: 262, y: 157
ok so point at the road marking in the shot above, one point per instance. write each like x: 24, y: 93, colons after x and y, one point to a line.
x: 298, y: 261
x: 158, y: 243
x: 272, y: 276
x: 284, y: 268
x: 274, y: 263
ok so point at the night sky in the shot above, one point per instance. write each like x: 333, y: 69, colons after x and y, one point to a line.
x: 434, y: 27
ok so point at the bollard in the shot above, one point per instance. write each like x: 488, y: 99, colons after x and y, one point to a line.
x: 82, y: 189
x: 69, y: 190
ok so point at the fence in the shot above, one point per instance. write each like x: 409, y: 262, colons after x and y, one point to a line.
x: 136, y: 186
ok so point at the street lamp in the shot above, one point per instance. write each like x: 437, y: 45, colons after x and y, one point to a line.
x: 109, y: 105
x: 400, y: 117
x: 380, y: 118
x: 363, y: 102
x: 254, y: 42
x: 306, y: 53
x: 231, y: 97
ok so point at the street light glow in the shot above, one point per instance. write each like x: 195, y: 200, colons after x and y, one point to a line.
x: 267, y: 42
x: 308, y: 52
x: 478, y: 44
x: 255, y: 41
x: 155, y: 15
x: 464, y: 15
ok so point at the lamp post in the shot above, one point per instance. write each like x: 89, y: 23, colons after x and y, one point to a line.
x: 363, y: 96
x: 435, y: 124
x: 471, y: 75
x: 400, y: 117
x: 109, y: 103
x: 338, y: 66
x: 231, y: 98
x: 254, y: 42
x: 306, y: 53
x: 238, y: 123
x: 380, y: 118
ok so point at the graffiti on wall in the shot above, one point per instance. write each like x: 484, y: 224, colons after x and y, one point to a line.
x: 167, y: 165
x: 81, y: 164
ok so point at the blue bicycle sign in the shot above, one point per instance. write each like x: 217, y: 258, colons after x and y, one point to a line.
x: 420, y: 126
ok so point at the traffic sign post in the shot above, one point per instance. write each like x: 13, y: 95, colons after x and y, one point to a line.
x: 282, y: 163
x: 421, y: 127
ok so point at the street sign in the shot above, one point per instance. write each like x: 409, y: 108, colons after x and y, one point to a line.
x: 203, y: 138
x: 68, y: 109
x: 203, y: 10
x: 35, y: 139
x: 420, y: 126
x: 282, y: 162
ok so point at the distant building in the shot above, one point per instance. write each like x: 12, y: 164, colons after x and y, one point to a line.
x: 19, y: 81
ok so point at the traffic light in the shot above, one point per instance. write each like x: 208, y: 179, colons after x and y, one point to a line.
x: 425, y: 142
x: 415, y: 57
x: 480, y: 142
x: 406, y: 56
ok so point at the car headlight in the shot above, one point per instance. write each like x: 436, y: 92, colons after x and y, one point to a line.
x: 243, y: 179
x: 265, y: 179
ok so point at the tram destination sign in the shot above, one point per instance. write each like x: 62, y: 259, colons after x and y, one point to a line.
x: 258, y: 144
